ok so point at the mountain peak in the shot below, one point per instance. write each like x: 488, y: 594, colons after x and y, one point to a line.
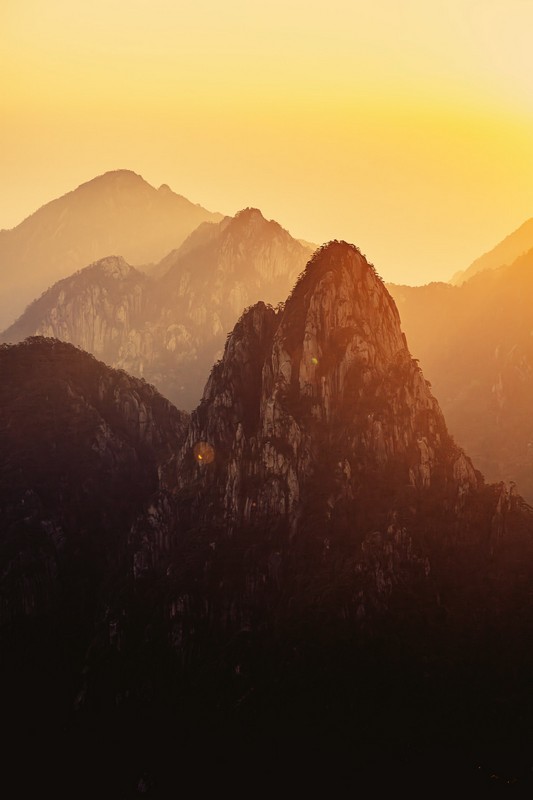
x: 116, y: 212
x: 345, y: 262
x: 113, y: 266
x: 249, y: 214
x: 117, y: 177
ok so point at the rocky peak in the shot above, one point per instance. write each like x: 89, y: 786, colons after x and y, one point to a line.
x: 252, y: 221
x: 114, y: 267
x: 339, y: 410
x: 249, y: 215
x: 339, y: 321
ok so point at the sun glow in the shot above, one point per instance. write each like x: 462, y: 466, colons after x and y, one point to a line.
x: 405, y: 128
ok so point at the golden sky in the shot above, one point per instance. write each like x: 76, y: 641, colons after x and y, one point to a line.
x: 404, y: 127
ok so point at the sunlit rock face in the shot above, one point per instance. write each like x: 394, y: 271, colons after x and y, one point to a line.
x: 323, y: 393
x: 318, y: 442
x: 170, y: 327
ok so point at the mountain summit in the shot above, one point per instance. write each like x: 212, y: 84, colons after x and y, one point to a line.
x: 321, y: 405
x: 118, y: 212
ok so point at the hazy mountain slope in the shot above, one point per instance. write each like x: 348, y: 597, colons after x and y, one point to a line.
x: 117, y: 212
x: 475, y: 344
x: 513, y: 246
x: 170, y: 329
x: 95, y: 309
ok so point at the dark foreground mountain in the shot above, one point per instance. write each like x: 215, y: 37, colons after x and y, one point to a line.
x: 475, y: 344
x: 117, y: 212
x: 170, y: 327
x: 322, y: 582
x: 80, y: 449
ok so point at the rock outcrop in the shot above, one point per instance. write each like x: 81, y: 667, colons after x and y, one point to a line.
x: 322, y: 390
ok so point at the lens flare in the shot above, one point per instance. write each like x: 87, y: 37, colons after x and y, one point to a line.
x: 203, y: 453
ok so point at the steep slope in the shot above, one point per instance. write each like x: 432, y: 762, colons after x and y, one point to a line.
x: 117, y: 212
x: 95, y: 309
x: 76, y: 438
x: 504, y: 253
x: 337, y: 372
x: 475, y: 345
x: 170, y: 329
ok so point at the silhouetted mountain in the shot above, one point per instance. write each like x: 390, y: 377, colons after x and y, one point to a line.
x: 321, y: 578
x: 117, y: 212
x: 507, y: 251
x: 475, y: 345
x: 80, y: 447
x: 170, y: 329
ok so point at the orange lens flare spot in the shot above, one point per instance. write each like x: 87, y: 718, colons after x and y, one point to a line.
x: 203, y: 453
x: 314, y: 360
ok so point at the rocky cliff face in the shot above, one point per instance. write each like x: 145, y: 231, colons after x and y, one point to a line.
x: 327, y: 380
x: 117, y: 212
x: 96, y: 309
x: 318, y: 446
x: 321, y: 537
x: 170, y: 329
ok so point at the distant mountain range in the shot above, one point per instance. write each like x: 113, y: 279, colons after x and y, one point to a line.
x: 167, y: 322
x: 475, y: 344
x: 504, y: 253
x: 170, y: 326
x: 117, y: 212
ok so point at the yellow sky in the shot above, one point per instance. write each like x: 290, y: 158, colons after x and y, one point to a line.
x: 405, y: 127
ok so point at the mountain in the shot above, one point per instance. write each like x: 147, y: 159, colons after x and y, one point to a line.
x: 117, y: 212
x: 332, y: 549
x: 475, y: 344
x: 170, y: 327
x: 318, y: 583
x: 504, y: 253
x: 76, y: 439
x: 80, y: 449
